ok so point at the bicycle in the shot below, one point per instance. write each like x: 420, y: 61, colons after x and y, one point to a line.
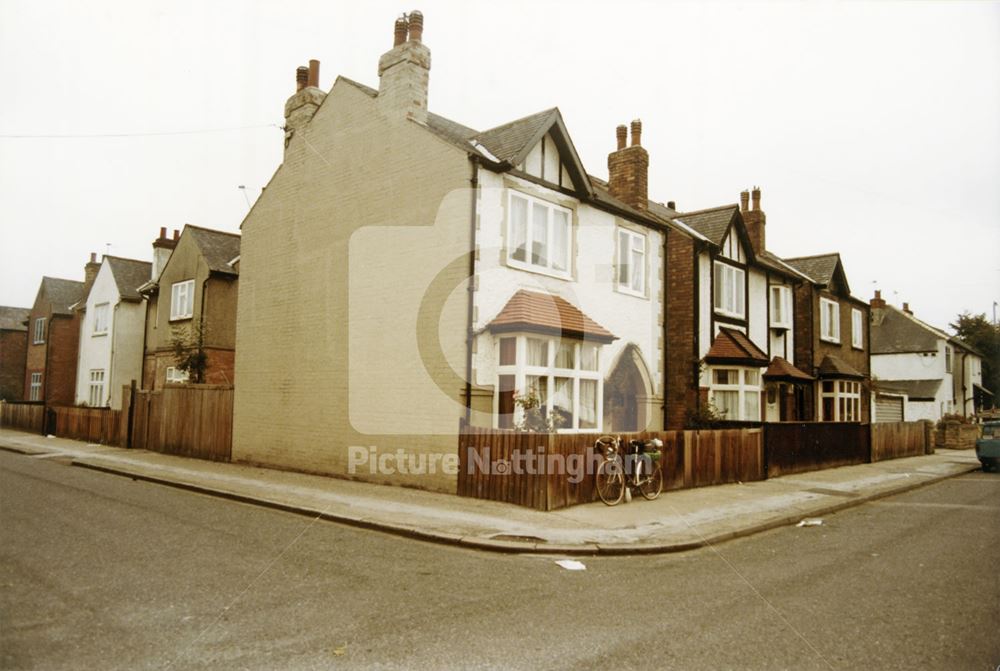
x: 616, y: 476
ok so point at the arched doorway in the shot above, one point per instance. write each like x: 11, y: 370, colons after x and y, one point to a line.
x: 625, y: 393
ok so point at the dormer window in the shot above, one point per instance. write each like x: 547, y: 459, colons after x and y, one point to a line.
x: 538, y: 235
x: 730, y: 290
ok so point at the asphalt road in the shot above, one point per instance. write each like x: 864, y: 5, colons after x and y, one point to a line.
x: 101, y: 572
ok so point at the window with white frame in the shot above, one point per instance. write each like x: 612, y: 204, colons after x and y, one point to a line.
x: 840, y: 401
x: 538, y: 235
x: 35, y: 389
x: 781, y: 307
x: 101, y: 319
x: 631, y: 261
x: 735, y: 393
x: 829, y: 320
x: 182, y: 300
x: 96, y: 397
x: 561, y: 373
x: 176, y: 375
x: 949, y: 354
x: 857, y: 329
x: 39, y: 331
x: 730, y: 290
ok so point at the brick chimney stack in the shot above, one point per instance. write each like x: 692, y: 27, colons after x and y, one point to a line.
x: 754, y: 218
x: 877, y: 302
x: 744, y: 201
x: 628, y: 169
x: 163, y: 247
x: 90, y: 272
x: 906, y: 309
x: 404, y: 70
x: 300, y: 108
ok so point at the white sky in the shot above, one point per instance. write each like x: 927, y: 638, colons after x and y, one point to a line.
x: 872, y: 129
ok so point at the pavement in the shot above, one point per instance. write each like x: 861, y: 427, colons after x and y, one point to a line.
x: 676, y: 521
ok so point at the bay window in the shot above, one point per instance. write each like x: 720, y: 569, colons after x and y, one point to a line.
x: 735, y: 393
x: 829, y: 320
x: 840, y: 401
x: 538, y: 235
x: 730, y: 290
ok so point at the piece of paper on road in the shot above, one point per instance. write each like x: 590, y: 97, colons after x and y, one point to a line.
x: 810, y: 522
x: 571, y: 565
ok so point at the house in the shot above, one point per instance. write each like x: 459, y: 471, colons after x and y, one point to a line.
x: 191, y: 304
x: 921, y: 371
x: 402, y: 273
x: 832, y: 342
x: 13, y: 350
x: 729, y: 321
x: 112, y: 319
x: 53, y: 339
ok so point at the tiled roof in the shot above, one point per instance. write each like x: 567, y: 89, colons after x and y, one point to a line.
x: 955, y: 340
x: 218, y: 248
x: 732, y: 346
x: 545, y: 313
x: 712, y: 223
x: 11, y: 319
x: 62, y: 293
x: 129, y: 275
x: 916, y: 389
x: 834, y: 366
x: 820, y: 268
x: 506, y: 142
x: 775, y: 262
x: 780, y: 369
x: 893, y: 331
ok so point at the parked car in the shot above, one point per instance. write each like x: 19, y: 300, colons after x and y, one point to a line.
x: 988, y: 447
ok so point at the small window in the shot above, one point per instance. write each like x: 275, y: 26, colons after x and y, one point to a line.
x: 96, y: 396
x: 182, y: 300
x: 857, y: 329
x: 538, y: 235
x: 781, y: 307
x: 829, y: 320
x: 176, y: 375
x: 101, y: 319
x: 631, y: 262
x: 949, y: 353
x: 730, y: 289
x: 39, y: 331
x: 36, y: 387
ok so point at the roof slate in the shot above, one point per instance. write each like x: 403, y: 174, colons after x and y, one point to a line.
x: 915, y: 389
x: 893, y: 331
x: 781, y: 369
x: 62, y: 293
x: 734, y: 346
x: 218, y: 248
x: 545, y: 313
x: 834, y: 366
x: 129, y: 275
x: 820, y: 268
x: 11, y: 319
x: 712, y: 223
x: 507, y: 141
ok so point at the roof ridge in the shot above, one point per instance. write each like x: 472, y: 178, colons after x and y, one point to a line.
x: 811, y: 256
x: 60, y: 279
x: 550, y: 110
x: 707, y: 209
x: 122, y: 258
x: 212, y: 230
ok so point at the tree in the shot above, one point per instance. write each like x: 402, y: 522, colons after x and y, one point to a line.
x: 984, y: 336
x: 188, y: 343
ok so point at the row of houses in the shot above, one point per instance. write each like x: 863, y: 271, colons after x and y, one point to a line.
x: 402, y: 273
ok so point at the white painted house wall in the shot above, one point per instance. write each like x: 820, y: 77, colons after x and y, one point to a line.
x: 591, y: 286
x: 919, y: 366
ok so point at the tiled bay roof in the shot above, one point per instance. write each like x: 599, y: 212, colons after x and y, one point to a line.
x: 834, y: 366
x: 781, y: 369
x: 735, y: 348
x: 545, y: 313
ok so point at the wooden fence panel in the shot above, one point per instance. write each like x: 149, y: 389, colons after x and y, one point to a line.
x: 27, y: 416
x: 798, y: 447
x: 94, y: 425
x: 899, y: 439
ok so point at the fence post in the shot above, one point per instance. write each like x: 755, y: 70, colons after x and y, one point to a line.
x: 131, y: 415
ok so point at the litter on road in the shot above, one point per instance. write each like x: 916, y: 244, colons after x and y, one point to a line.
x: 571, y: 565
x: 810, y: 522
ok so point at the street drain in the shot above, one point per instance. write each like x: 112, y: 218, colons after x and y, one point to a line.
x: 518, y: 539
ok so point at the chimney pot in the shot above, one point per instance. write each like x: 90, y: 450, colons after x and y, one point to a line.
x: 163, y: 232
x: 93, y: 257
x: 314, y: 73
x: 399, y: 31
x: 878, y: 293
x: 301, y: 77
x: 744, y: 200
x: 672, y: 205
x: 906, y: 308
x: 416, y: 26
x: 636, y: 133
x: 756, y: 198
x: 622, y: 134
x: 177, y: 234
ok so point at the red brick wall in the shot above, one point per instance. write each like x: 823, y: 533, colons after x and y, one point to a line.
x: 13, y: 353
x: 681, y: 345
x: 35, y: 357
x: 60, y: 370
x: 219, y: 370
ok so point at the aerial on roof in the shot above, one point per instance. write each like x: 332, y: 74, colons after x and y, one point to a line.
x: 129, y: 275
x: 62, y: 294
x: 218, y: 248
x: 12, y: 319
x: 545, y: 313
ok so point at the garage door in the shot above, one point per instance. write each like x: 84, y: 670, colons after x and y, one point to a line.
x: 888, y: 409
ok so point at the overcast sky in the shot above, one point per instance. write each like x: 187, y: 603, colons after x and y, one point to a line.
x: 872, y: 129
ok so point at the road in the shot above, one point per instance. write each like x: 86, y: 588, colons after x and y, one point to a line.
x: 100, y: 571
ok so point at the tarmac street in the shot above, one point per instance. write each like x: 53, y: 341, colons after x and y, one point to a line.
x: 103, y: 571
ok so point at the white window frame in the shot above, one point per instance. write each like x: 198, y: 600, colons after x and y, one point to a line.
x: 39, y: 334
x: 734, y: 280
x: 101, y: 311
x: 829, y: 320
x: 176, y: 376
x: 949, y: 358
x: 857, y: 329
x: 846, y: 395
x: 182, y: 300
x: 549, y: 267
x: 630, y: 259
x: 743, y: 386
x: 521, y: 371
x: 781, y: 306
x: 35, y: 388
x: 95, y: 396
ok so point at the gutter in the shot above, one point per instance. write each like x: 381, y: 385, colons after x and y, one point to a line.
x: 469, y: 335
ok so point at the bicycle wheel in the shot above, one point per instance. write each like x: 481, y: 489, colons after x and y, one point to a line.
x: 610, y: 482
x: 651, y: 484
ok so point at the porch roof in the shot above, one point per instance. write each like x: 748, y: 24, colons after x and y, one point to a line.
x: 735, y: 348
x: 781, y: 369
x: 545, y: 313
x: 834, y: 366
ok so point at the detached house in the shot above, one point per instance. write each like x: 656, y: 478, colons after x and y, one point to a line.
x: 13, y: 350
x: 191, y: 300
x: 112, y: 319
x: 402, y: 273
x: 54, y: 338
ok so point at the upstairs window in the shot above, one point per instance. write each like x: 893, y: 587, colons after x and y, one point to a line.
x: 182, y: 300
x: 538, y: 235
x: 781, y: 307
x: 829, y: 320
x: 730, y: 290
x: 101, y: 319
x: 857, y: 329
x: 631, y: 262
x: 39, y: 331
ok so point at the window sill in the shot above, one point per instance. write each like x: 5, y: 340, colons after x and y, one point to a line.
x: 98, y: 335
x: 830, y: 340
x: 625, y: 291
x: 781, y: 327
x: 731, y: 315
x: 538, y: 270
x: 181, y: 318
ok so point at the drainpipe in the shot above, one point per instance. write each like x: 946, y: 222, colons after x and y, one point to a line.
x: 201, y: 323
x: 666, y: 317
x: 111, y: 361
x: 474, y: 190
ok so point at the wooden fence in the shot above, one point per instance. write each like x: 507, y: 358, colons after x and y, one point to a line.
x: 27, y: 416
x: 797, y: 447
x: 552, y: 471
x: 188, y: 420
x: 94, y: 425
x: 900, y: 439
